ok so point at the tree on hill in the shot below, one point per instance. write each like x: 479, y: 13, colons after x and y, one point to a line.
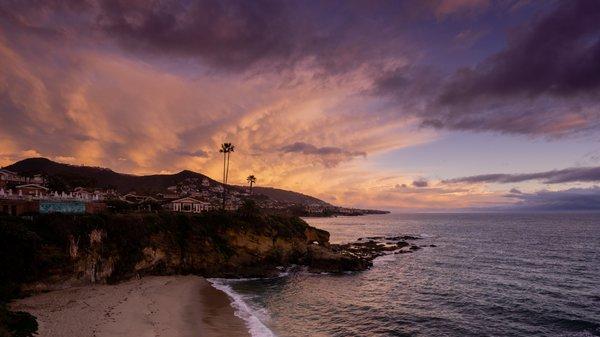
x: 251, y: 179
x: 226, y: 149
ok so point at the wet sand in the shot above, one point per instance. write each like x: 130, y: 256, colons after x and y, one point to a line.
x: 158, y: 306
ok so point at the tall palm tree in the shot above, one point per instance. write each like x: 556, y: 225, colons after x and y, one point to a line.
x: 226, y: 149
x: 231, y: 149
x: 251, y: 179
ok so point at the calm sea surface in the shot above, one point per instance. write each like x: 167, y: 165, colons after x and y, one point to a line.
x: 490, y: 275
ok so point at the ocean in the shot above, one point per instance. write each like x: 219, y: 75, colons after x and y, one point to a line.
x: 489, y: 275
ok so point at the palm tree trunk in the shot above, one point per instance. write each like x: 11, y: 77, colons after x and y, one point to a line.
x: 224, y: 178
x: 227, y: 174
x: 224, y: 157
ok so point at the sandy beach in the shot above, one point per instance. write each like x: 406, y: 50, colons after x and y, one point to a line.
x: 161, y: 306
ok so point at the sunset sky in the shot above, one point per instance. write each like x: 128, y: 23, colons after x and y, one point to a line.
x: 404, y: 105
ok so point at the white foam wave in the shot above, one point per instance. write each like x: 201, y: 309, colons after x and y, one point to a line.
x: 383, y: 259
x: 242, y: 310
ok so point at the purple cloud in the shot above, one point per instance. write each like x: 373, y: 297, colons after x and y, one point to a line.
x: 305, y: 148
x: 575, y: 199
x: 546, y: 82
x: 559, y: 54
x: 198, y: 153
x: 568, y: 175
x: 420, y: 183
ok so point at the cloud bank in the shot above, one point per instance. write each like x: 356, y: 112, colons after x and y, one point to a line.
x: 574, y: 199
x: 545, y: 82
x: 568, y: 175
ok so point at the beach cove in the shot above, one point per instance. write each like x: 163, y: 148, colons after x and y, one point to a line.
x: 174, y: 306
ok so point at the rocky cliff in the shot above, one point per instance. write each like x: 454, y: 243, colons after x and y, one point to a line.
x: 55, y: 251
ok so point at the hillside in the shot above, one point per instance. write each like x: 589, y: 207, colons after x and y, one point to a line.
x: 287, y: 196
x: 106, y: 178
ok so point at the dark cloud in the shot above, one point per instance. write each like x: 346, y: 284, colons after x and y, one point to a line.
x: 198, y: 153
x: 305, y: 148
x: 575, y: 199
x: 558, y: 55
x: 328, y: 156
x: 515, y: 191
x: 546, y: 82
x: 420, y: 183
x: 405, y: 189
x: 262, y: 35
x: 568, y: 175
x: 223, y: 33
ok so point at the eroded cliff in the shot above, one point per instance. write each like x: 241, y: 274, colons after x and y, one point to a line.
x: 58, y: 251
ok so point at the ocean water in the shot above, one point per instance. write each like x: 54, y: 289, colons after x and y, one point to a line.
x: 490, y: 275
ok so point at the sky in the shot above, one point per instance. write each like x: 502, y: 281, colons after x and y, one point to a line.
x: 414, y: 105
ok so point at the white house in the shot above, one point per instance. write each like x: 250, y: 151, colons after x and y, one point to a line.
x: 190, y: 205
x: 82, y: 193
x: 31, y: 190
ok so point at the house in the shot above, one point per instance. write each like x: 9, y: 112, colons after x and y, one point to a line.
x: 10, y: 177
x: 33, y: 190
x: 133, y: 198
x: 7, y: 176
x: 82, y: 193
x: 89, y: 194
x: 188, y: 204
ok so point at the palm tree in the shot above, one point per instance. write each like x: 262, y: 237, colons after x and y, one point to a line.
x: 251, y: 179
x: 226, y: 149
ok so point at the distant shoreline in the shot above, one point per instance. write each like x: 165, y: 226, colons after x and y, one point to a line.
x: 361, y: 212
x: 165, y: 306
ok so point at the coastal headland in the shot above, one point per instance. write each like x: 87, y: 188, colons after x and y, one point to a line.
x: 69, y: 253
x: 78, y: 238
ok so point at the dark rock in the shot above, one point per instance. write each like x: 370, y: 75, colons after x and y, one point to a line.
x: 401, y: 244
x: 403, y: 252
x: 404, y: 237
x: 320, y: 259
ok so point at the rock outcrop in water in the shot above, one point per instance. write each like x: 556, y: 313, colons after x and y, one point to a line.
x: 367, y: 249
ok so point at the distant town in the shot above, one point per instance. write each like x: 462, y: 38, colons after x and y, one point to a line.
x: 38, y: 185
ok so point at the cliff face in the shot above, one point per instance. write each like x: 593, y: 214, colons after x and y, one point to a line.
x: 75, y: 250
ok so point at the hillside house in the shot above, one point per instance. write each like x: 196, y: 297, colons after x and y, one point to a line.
x: 9, y: 177
x: 32, y: 190
x: 189, y: 205
x: 90, y: 194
